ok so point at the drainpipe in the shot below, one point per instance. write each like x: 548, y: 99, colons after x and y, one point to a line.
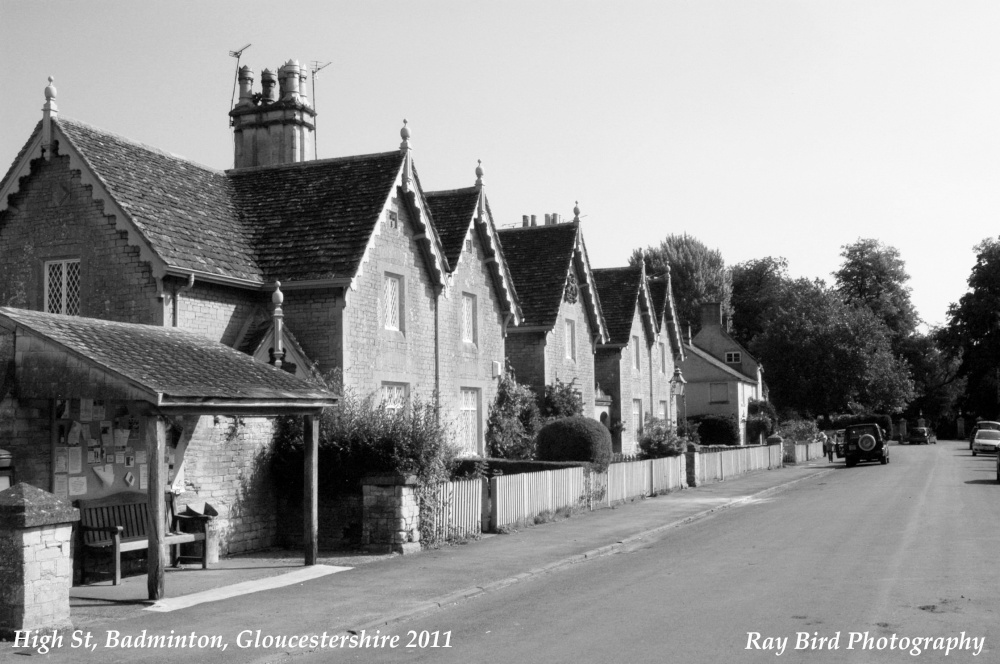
x: 177, y: 291
x: 437, y: 354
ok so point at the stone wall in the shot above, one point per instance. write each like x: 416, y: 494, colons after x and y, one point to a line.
x: 391, y: 515
x: 226, y: 462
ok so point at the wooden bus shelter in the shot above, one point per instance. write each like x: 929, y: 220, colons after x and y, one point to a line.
x: 159, y: 373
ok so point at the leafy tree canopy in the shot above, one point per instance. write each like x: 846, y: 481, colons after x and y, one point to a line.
x: 874, y: 276
x: 757, y: 287
x: 973, y: 333
x: 822, y: 356
x: 698, y: 275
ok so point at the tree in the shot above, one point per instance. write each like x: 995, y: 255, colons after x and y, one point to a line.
x: 757, y: 287
x: 874, y: 276
x: 822, y: 356
x: 698, y: 275
x: 972, y: 335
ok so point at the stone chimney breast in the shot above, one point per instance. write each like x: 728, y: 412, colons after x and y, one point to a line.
x: 711, y: 314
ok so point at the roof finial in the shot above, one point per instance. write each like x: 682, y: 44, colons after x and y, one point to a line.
x: 479, y: 173
x: 277, y: 317
x: 405, y: 135
x: 49, y: 111
x: 576, y: 211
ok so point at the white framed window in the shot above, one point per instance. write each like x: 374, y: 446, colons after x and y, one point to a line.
x: 636, y: 354
x: 663, y: 410
x: 718, y: 392
x: 392, y: 302
x: 62, y: 287
x: 570, y: 339
x: 393, y: 396
x: 469, y: 319
x: 734, y: 358
x: 636, y: 418
x: 663, y: 358
x: 469, y: 421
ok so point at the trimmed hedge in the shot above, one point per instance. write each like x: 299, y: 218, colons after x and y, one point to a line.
x: 491, y: 467
x: 718, y: 430
x: 844, y: 421
x: 576, y: 438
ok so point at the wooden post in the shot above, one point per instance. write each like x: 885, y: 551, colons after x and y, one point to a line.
x: 310, y: 507
x: 155, y: 434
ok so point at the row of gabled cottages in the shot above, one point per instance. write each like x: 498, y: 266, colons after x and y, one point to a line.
x: 408, y: 293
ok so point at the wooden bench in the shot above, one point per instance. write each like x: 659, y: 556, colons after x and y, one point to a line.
x: 119, y: 522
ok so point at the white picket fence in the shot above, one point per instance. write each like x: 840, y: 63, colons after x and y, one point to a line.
x: 717, y: 465
x: 802, y: 452
x: 520, y: 498
x: 458, y: 510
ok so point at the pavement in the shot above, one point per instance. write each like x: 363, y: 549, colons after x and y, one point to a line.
x: 221, y: 609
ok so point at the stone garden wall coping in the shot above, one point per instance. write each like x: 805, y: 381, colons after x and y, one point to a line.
x: 26, y: 506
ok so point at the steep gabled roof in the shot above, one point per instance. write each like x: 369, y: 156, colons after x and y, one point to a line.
x: 314, y: 220
x: 184, y: 211
x: 454, y: 211
x: 622, y: 289
x: 541, y: 259
x: 662, y: 296
x: 297, y: 222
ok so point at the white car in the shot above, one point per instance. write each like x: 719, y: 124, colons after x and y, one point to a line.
x: 987, y: 441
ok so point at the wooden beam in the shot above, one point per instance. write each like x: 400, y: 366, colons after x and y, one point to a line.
x: 154, y: 432
x: 310, y: 507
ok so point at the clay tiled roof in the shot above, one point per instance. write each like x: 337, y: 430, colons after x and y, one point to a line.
x: 168, y: 361
x: 453, y: 213
x: 539, y: 258
x: 183, y: 210
x: 619, y: 289
x: 313, y: 220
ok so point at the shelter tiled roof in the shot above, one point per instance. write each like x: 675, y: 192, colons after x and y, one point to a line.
x: 453, y: 213
x: 168, y: 361
x: 313, y: 220
x: 540, y: 258
x: 183, y: 210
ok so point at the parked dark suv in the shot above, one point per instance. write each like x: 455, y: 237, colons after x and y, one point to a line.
x: 865, y: 442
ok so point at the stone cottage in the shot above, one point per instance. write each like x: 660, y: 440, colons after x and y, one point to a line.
x: 635, y: 367
x: 562, y: 320
x: 93, y: 224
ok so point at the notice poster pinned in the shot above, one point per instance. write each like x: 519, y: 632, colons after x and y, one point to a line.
x: 75, y: 462
x: 107, y: 435
x: 143, y: 476
x: 86, y: 410
x: 62, y: 486
x: 62, y: 460
x: 78, y: 485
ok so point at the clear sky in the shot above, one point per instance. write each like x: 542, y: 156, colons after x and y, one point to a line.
x: 783, y: 128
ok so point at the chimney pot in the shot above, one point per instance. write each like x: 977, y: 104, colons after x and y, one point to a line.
x: 268, y: 82
x: 534, y: 220
x: 525, y: 221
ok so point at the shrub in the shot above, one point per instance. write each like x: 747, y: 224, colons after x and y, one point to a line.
x: 659, y: 439
x: 762, y: 407
x: 358, y: 438
x: 468, y: 468
x: 689, y: 429
x: 562, y: 400
x: 719, y: 430
x: 575, y: 438
x: 757, y: 426
x: 799, y: 431
x: 513, y: 421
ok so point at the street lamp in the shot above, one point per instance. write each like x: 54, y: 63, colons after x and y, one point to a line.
x: 677, y: 384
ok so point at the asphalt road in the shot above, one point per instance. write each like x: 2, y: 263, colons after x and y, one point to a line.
x: 909, y: 550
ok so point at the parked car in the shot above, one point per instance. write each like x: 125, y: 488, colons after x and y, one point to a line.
x: 922, y: 436
x: 998, y: 468
x: 865, y: 442
x: 838, y: 440
x: 983, y: 424
x: 986, y: 440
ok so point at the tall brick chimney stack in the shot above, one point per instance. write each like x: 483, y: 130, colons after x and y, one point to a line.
x: 274, y: 126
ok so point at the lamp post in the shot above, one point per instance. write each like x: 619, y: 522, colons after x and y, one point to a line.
x: 677, y: 384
